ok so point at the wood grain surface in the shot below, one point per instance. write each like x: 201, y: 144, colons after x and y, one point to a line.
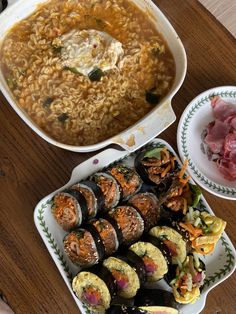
x: 30, y: 168
x: 224, y: 11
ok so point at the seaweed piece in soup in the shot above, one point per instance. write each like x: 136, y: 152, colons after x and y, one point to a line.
x: 95, y: 75
x: 152, y: 98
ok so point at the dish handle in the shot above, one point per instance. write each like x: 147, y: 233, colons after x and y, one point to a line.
x: 152, y: 125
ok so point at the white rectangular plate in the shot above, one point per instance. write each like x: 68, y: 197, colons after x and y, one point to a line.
x: 219, y: 265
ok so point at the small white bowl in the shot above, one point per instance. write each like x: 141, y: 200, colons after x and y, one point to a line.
x: 193, y: 121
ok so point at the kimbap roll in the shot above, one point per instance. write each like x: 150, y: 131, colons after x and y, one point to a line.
x: 69, y: 209
x: 136, y: 262
x: 126, y: 278
x: 110, y: 188
x: 155, y: 263
x: 83, y: 247
x: 93, y: 196
x: 128, y: 179
x: 173, y: 241
x: 189, y: 277
x: 108, y: 235
x: 148, y: 206
x: 155, y: 164
x: 95, y: 289
x: 129, y: 221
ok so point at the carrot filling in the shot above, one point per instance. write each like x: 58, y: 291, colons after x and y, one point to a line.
x: 150, y: 266
x: 108, y: 189
x: 172, y: 247
x: 191, y: 229
x: 144, y: 204
x: 92, y: 296
x: 159, y: 168
x: 65, y: 210
x: 122, y: 280
x: 128, y: 181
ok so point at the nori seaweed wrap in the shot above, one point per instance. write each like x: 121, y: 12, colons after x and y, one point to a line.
x: 93, y: 196
x: 152, y: 297
x: 110, y: 188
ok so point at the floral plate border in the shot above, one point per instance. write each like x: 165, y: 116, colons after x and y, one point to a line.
x: 45, y: 227
x: 184, y: 123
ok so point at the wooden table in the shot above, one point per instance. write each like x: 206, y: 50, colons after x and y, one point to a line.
x: 30, y: 168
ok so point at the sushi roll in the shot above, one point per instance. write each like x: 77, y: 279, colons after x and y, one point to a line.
x: 188, y: 278
x: 155, y: 164
x: 161, y: 246
x: 93, y: 196
x: 95, y: 289
x: 137, y: 263
x: 128, y: 179
x: 108, y: 235
x: 69, y: 209
x: 126, y: 278
x: 83, y: 247
x: 156, y: 265
x: 148, y: 206
x: 129, y: 222
x: 173, y: 241
x: 110, y: 188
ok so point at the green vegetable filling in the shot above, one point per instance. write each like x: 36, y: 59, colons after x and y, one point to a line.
x: 196, y: 194
x: 154, y: 153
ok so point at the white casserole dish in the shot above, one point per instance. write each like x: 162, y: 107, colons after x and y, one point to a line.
x: 145, y: 129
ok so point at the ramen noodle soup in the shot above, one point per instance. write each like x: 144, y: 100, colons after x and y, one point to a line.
x: 84, y: 70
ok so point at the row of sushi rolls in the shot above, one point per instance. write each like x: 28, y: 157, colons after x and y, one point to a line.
x: 131, y: 226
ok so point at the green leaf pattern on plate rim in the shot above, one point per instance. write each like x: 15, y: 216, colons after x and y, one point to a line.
x: 208, y: 281
x: 216, y: 187
x: 54, y: 245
